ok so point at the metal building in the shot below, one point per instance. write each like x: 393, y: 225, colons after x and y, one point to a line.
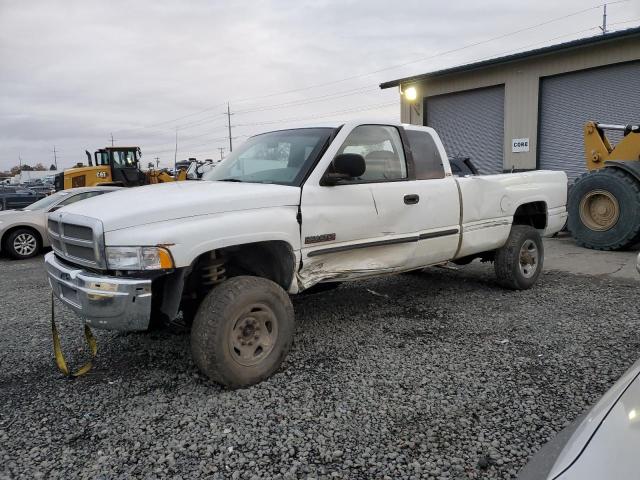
x: 527, y: 110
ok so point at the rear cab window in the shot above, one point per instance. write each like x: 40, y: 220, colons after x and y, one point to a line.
x: 426, y: 156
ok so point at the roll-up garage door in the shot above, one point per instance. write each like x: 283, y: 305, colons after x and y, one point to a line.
x: 471, y: 124
x: 607, y: 95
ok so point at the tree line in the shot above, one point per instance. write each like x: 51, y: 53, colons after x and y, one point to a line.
x: 16, y: 170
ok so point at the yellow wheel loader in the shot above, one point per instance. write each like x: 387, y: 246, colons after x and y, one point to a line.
x: 604, y: 203
x: 114, y: 166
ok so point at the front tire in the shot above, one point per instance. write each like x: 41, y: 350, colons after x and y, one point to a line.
x: 242, y: 331
x: 519, y: 262
x: 23, y: 243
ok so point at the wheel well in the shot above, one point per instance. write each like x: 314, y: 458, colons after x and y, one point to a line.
x: 19, y: 227
x: 273, y: 260
x: 533, y: 213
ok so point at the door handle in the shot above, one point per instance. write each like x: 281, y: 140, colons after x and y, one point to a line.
x: 411, y: 199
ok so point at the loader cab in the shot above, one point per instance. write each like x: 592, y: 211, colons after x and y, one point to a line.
x: 124, y: 163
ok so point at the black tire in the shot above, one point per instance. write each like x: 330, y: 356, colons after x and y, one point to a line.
x: 23, y: 243
x: 626, y: 191
x: 510, y: 270
x: 229, y: 309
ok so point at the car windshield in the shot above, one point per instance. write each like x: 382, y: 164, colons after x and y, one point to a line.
x: 283, y: 157
x: 47, y: 201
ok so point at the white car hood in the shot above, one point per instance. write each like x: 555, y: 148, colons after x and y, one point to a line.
x: 11, y: 217
x: 168, y: 201
x: 606, y: 443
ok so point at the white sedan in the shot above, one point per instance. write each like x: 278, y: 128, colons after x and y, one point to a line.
x: 602, y: 444
x: 23, y: 231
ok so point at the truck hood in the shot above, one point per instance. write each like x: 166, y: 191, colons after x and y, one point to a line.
x: 169, y: 201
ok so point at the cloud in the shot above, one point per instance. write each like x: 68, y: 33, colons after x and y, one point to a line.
x: 74, y: 72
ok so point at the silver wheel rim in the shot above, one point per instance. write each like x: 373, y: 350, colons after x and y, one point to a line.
x: 529, y: 258
x: 25, y: 244
x: 253, y: 335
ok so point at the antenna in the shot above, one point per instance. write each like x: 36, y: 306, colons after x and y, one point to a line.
x: 604, y: 20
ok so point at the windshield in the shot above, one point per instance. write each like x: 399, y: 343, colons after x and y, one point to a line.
x: 282, y: 157
x: 124, y: 158
x: 47, y: 201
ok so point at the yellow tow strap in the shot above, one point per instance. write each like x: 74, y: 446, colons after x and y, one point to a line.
x: 57, y: 349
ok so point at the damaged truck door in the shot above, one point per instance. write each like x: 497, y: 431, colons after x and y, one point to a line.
x: 400, y: 212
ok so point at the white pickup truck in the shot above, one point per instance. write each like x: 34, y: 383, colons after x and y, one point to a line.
x: 285, y: 211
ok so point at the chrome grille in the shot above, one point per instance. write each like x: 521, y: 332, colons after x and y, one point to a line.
x: 78, y: 231
x: 77, y: 239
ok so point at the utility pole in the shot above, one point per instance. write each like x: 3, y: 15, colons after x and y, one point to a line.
x: 175, y: 155
x: 112, y: 139
x: 55, y: 157
x: 20, y: 163
x: 228, y: 114
x: 221, y: 152
x: 157, y: 162
x: 604, y: 20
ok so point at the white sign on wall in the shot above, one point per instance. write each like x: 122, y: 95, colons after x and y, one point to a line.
x: 520, y: 145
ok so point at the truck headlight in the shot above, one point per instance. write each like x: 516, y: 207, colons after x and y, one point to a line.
x: 138, y: 258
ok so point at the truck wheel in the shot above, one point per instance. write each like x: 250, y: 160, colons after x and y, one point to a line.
x: 604, y: 210
x: 518, y: 263
x: 242, y: 331
x: 23, y: 243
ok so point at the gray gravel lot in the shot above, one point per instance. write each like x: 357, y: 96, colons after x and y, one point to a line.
x: 445, y: 375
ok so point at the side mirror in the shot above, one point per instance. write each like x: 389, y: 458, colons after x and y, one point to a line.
x: 345, y: 167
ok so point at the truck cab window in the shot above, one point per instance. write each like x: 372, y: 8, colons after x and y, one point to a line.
x: 426, y: 157
x: 382, y: 150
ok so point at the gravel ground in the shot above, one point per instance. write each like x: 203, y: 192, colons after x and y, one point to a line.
x: 439, y: 375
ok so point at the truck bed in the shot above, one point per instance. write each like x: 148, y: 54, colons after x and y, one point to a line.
x: 489, y: 203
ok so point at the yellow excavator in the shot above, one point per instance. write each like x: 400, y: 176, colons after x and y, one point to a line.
x: 604, y: 203
x: 114, y: 166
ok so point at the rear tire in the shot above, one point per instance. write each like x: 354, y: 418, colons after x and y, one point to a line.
x: 604, y: 210
x: 242, y: 331
x: 23, y: 243
x: 519, y: 262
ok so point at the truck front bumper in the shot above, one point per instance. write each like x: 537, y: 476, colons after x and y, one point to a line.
x: 106, y: 302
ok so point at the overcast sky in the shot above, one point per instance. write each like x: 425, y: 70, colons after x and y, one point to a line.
x: 73, y: 72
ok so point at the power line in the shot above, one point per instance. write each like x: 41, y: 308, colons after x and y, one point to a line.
x: 287, y: 120
x: 327, y: 114
x: 309, y: 100
x: 392, y: 67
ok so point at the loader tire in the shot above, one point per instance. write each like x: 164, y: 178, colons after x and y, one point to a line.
x: 604, y: 210
x: 242, y: 331
x: 519, y: 262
